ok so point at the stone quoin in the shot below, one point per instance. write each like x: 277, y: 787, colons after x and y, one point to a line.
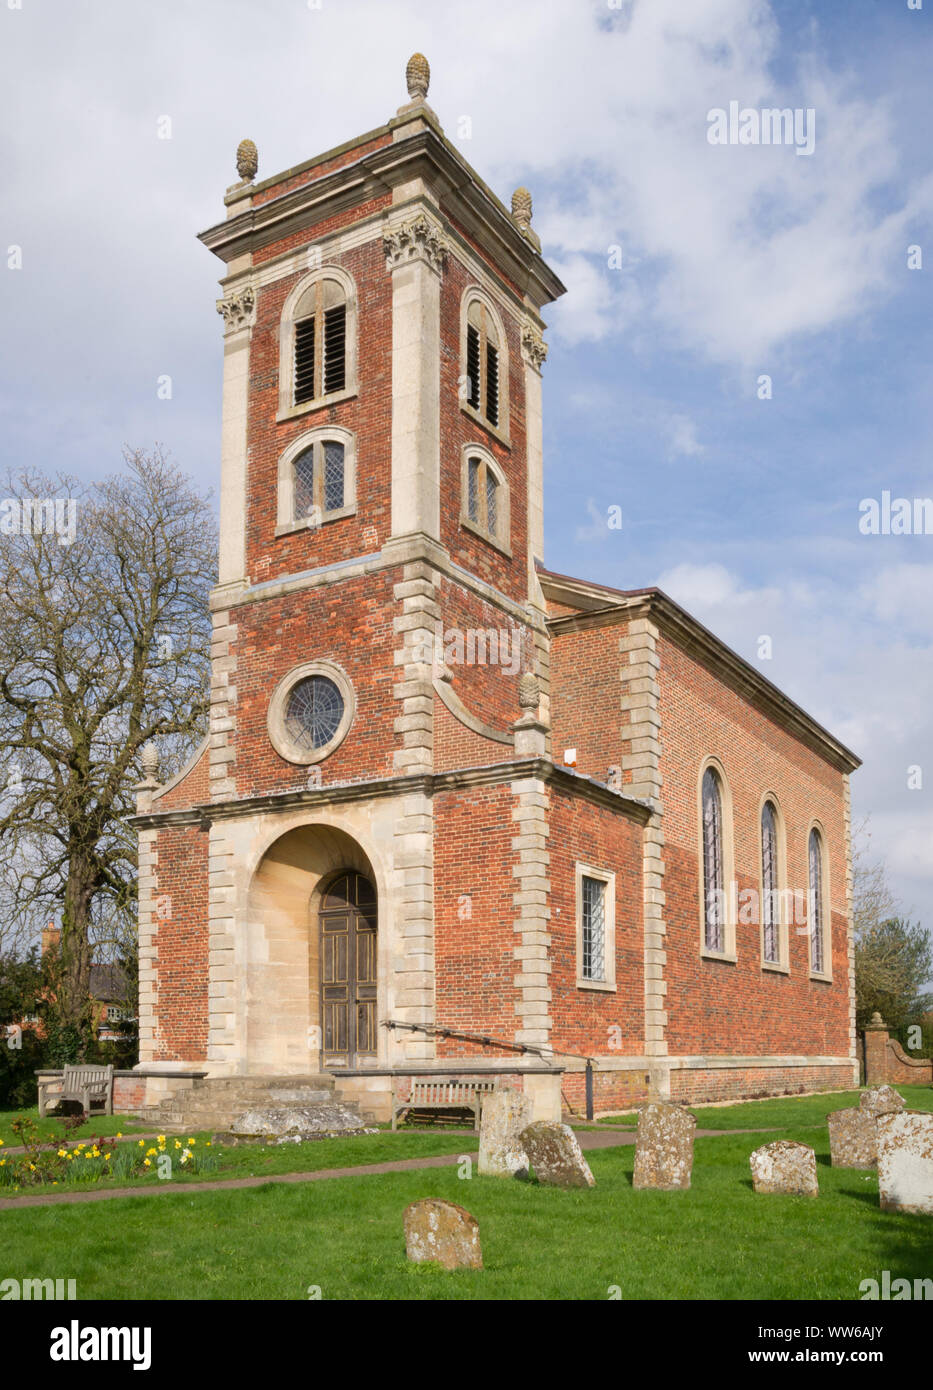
x: 376, y: 848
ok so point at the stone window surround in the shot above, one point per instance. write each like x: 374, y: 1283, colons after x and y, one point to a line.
x: 826, y: 974
x: 502, y: 540
x: 782, y: 965
x: 581, y: 871
x: 472, y: 294
x: 275, y: 720
x: 728, y: 861
x: 287, y: 410
x: 286, y: 521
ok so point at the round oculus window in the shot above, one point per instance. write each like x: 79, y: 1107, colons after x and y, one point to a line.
x: 313, y: 713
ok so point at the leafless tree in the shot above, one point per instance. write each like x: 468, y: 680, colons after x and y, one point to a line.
x: 104, y: 645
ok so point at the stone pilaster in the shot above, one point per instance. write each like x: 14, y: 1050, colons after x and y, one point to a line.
x: 534, y: 352
x: 413, y: 895
x: 239, y: 310
x: 415, y: 625
x: 148, y: 887
x: 222, y: 770
x: 532, y: 913
x: 641, y: 742
x: 223, y: 1046
x: 415, y: 249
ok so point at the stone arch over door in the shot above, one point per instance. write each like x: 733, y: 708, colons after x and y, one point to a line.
x: 283, y: 965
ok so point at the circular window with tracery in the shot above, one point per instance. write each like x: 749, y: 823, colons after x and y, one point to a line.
x: 311, y: 712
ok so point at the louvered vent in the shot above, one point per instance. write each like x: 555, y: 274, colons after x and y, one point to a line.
x: 492, y: 384
x: 472, y: 365
x: 304, y: 361
x: 335, y: 344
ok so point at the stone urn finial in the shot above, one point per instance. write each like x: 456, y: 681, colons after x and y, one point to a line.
x: 247, y: 160
x: 877, y: 1021
x: 418, y: 76
x: 529, y: 692
x: 149, y: 757
x: 522, y: 207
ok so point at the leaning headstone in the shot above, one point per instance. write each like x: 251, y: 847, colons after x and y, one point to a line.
x: 785, y: 1166
x: 880, y: 1100
x: 853, y: 1138
x: 663, y: 1146
x: 505, y: 1114
x: 442, y: 1232
x: 555, y: 1155
x: 905, y: 1161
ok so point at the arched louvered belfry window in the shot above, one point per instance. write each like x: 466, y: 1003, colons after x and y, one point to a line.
x: 713, y: 863
x: 317, y: 363
x: 484, y: 370
x: 770, y: 901
x: 816, y: 907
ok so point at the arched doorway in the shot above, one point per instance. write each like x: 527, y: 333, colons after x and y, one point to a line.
x: 349, y: 970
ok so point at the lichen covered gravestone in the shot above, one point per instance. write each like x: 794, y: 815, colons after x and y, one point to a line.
x: 905, y: 1161
x: 880, y: 1100
x: 505, y: 1114
x: 555, y: 1155
x: 442, y: 1232
x: 785, y: 1166
x: 853, y: 1138
x: 663, y: 1146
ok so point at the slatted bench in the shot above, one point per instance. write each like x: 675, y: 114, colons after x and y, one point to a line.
x: 441, y: 1094
x: 88, y: 1085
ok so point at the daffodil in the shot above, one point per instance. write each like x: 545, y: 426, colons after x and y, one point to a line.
x: 142, y: 1143
x: 63, y: 1153
x: 119, y: 1134
x: 147, y: 1162
x: 177, y: 1143
x: 192, y: 1141
x: 150, y: 1153
x: 161, y: 1138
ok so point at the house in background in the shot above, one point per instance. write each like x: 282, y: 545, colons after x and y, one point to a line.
x: 454, y: 805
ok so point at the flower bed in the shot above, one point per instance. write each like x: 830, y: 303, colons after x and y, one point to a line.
x: 53, y: 1162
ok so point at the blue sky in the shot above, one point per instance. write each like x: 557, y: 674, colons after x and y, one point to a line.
x: 735, y: 261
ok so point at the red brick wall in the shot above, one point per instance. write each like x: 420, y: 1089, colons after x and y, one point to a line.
x: 318, y: 170
x: 473, y: 859
x: 350, y: 624
x: 181, y: 941
x: 457, y: 746
x: 715, y: 1007
x: 595, y: 1021
x: 193, y: 789
x: 706, y: 1087
x: 586, y: 695
x: 368, y: 415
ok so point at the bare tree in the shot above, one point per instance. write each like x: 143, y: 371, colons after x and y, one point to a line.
x: 892, y: 954
x: 104, y: 645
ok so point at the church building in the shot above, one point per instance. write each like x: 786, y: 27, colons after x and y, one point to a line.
x: 457, y: 814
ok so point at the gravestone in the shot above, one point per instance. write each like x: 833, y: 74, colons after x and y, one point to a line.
x: 555, y: 1155
x: 663, y: 1146
x: 853, y: 1138
x: 442, y: 1232
x: 880, y: 1100
x: 505, y: 1114
x: 785, y: 1166
x: 905, y: 1162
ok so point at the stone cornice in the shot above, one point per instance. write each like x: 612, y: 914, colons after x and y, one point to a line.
x: 426, y: 154
x: 605, y: 606
x: 427, y: 783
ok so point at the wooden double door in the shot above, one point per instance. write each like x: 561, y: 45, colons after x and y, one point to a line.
x: 348, y: 971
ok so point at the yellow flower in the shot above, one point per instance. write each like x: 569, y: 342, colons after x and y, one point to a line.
x: 192, y: 1141
x: 1, y: 1143
x: 208, y: 1144
x: 142, y: 1143
x: 108, y: 1156
x: 147, y: 1162
x: 81, y: 1146
x: 119, y: 1134
x: 32, y: 1167
x: 150, y: 1152
x: 63, y: 1153
x: 177, y: 1143
x: 161, y: 1138
x: 2, y: 1160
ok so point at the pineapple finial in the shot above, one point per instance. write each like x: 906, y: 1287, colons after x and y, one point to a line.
x: 418, y: 76
x: 247, y: 160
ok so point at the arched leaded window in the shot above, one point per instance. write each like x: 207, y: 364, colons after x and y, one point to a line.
x: 484, y: 506
x: 770, y: 910
x: 319, y: 479
x: 713, y: 869
x: 817, y: 924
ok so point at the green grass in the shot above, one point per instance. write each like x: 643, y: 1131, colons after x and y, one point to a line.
x: 784, y: 1112
x: 249, y: 1160
x: 51, y: 1126
x: 719, y: 1240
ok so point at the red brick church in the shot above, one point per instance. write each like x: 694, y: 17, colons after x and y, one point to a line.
x: 453, y: 805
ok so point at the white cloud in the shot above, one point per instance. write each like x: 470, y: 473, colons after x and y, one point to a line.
x: 683, y: 437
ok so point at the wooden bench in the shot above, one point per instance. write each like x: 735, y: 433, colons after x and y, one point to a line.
x: 440, y: 1094
x: 89, y: 1085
